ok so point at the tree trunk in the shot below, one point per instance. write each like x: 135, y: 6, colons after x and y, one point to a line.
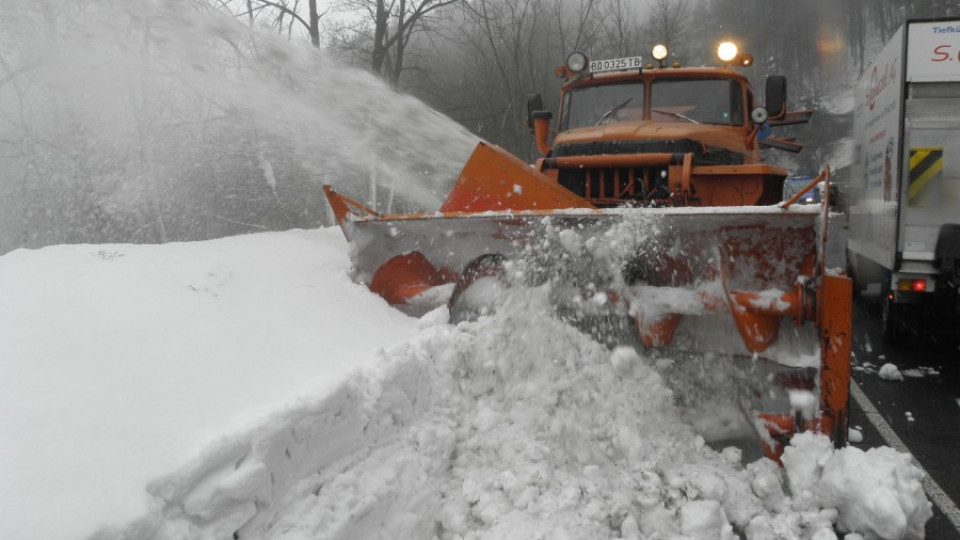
x: 402, y: 37
x: 314, y: 24
x: 379, y: 38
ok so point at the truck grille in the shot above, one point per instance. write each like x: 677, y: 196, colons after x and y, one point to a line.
x: 613, y: 186
x: 702, y: 155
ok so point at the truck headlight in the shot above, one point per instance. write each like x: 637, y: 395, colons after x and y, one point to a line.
x: 727, y: 51
x: 659, y: 52
x: 576, y: 62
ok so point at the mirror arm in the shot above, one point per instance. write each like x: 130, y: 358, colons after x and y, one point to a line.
x: 534, y: 105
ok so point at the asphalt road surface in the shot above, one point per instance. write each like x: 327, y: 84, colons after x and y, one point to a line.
x: 921, y: 413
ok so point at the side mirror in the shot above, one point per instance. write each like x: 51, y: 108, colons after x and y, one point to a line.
x: 534, y: 105
x: 776, y: 97
x: 538, y: 122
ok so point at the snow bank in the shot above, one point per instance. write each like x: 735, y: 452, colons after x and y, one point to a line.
x: 463, y: 430
x: 121, y: 362
x: 125, y: 362
x: 514, y: 426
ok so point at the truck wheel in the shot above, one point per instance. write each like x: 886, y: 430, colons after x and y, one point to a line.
x: 479, y: 289
x: 892, y: 318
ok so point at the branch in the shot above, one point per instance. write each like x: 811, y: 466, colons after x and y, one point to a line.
x: 423, y: 9
x: 290, y: 12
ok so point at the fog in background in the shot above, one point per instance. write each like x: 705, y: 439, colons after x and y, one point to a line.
x: 155, y: 121
x: 142, y: 121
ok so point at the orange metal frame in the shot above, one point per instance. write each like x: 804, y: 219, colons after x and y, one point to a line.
x: 344, y: 207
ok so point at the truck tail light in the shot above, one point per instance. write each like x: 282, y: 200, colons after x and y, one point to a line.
x: 915, y: 285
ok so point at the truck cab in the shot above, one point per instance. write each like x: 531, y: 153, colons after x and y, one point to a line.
x: 674, y: 136
x: 702, y: 105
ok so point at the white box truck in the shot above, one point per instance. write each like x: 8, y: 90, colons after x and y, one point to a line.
x: 904, y: 214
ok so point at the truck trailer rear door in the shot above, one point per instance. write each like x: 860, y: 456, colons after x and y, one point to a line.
x: 930, y: 195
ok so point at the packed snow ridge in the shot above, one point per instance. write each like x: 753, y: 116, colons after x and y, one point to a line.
x: 513, y: 426
x: 519, y: 426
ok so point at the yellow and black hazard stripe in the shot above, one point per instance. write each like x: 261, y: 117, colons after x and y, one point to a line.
x: 925, y: 165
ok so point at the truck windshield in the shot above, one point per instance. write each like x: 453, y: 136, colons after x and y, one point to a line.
x: 598, y: 105
x: 697, y: 101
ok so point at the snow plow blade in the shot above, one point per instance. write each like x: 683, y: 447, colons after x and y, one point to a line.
x: 741, y: 288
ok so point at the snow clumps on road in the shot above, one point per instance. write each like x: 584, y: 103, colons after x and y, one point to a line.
x: 878, y: 493
x: 519, y: 426
x: 890, y: 372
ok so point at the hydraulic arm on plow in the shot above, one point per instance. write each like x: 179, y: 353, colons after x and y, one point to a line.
x: 652, y: 201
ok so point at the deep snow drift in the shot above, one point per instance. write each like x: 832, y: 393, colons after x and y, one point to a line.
x: 246, y: 388
x: 121, y: 362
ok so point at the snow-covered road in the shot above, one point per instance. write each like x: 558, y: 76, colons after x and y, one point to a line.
x: 246, y: 388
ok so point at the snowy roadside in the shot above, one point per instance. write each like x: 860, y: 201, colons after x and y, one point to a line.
x: 473, y: 432
x: 120, y: 363
x: 514, y: 426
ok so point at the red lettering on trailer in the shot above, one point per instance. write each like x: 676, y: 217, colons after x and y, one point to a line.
x: 880, y: 81
x: 944, y: 55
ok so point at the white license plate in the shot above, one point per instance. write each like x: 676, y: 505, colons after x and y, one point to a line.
x: 616, y: 64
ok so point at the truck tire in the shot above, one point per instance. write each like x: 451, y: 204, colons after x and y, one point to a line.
x: 489, y: 268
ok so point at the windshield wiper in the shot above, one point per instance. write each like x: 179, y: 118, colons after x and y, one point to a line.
x: 613, y: 111
x: 677, y: 115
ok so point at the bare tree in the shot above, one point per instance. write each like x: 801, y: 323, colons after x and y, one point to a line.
x: 281, y: 15
x: 311, y: 23
x: 621, y: 29
x: 668, y: 24
x: 577, y: 26
x: 385, y: 31
x: 481, y: 67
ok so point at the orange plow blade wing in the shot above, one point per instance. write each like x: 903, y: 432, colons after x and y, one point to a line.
x: 494, y: 180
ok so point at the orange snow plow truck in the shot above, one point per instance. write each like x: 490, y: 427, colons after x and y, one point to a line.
x: 651, y: 205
